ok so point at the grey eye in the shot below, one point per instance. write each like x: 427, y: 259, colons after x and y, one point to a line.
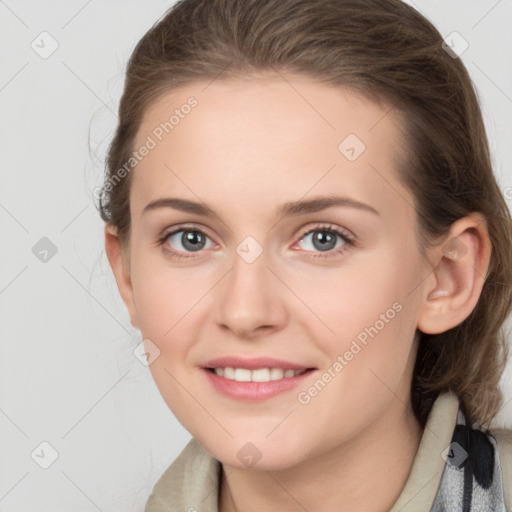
x: 190, y: 240
x: 322, y: 240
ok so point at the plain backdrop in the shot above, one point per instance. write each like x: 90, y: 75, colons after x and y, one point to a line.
x: 73, y: 396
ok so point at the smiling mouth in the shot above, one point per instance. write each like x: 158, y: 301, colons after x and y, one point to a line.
x: 257, y: 375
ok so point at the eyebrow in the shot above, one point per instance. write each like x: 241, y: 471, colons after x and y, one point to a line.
x: 290, y: 209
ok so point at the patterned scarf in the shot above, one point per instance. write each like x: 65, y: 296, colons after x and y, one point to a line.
x: 472, y: 478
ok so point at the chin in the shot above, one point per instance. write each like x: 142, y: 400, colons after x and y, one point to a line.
x: 253, y: 457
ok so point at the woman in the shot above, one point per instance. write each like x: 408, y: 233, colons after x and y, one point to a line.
x: 303, y: 222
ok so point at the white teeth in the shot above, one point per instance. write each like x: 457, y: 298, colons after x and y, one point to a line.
x: 261, y: 375
x: 229, y: 373
x: 258, y: 375
x: 276, y: 374
x: 242, y: 375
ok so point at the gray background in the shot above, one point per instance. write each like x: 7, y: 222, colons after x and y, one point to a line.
x: 68, y: 375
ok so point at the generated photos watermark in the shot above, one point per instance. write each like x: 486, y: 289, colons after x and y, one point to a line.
x: 305, y: 397
x: 151, y: 142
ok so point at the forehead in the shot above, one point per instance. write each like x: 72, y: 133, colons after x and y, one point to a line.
x: 270, y: 96
x: 269, y: 133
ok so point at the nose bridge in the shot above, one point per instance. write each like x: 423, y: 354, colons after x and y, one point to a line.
x: 248, y: 300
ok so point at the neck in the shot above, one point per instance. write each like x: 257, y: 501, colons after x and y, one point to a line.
x: 367, y: 473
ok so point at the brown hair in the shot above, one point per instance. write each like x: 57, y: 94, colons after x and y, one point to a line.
x: 386, y: 50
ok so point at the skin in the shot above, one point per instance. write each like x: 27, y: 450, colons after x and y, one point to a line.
x: 249, y: 146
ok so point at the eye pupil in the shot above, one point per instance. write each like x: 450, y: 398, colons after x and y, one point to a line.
x: 193, y: 240
x: 323, y: 240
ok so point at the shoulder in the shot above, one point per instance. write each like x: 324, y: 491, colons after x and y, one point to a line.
x: 190, y: 483
x: 503, y: 439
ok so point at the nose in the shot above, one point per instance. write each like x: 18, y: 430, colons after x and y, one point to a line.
x: 250, y: 302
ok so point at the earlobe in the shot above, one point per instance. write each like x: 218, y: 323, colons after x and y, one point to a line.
x: 121, y: 271
x: 463, y: 261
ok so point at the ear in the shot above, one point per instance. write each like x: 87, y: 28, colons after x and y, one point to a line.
x: 119, y: 263
x: 459, y: 276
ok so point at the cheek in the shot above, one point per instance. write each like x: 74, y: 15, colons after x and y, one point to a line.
x: 369, y: 354
x: 168, y: 303
x: 165, y: 295
x: 363, y: 311
x: 348, y: 298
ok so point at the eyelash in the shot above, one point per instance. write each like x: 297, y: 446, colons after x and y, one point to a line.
x: 348, y: 240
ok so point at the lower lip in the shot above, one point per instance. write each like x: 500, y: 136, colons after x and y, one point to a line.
x: 254, y: 391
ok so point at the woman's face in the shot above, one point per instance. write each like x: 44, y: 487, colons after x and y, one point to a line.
x: 285, y: 234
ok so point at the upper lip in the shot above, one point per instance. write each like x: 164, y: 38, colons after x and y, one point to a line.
x: 253, y: 364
